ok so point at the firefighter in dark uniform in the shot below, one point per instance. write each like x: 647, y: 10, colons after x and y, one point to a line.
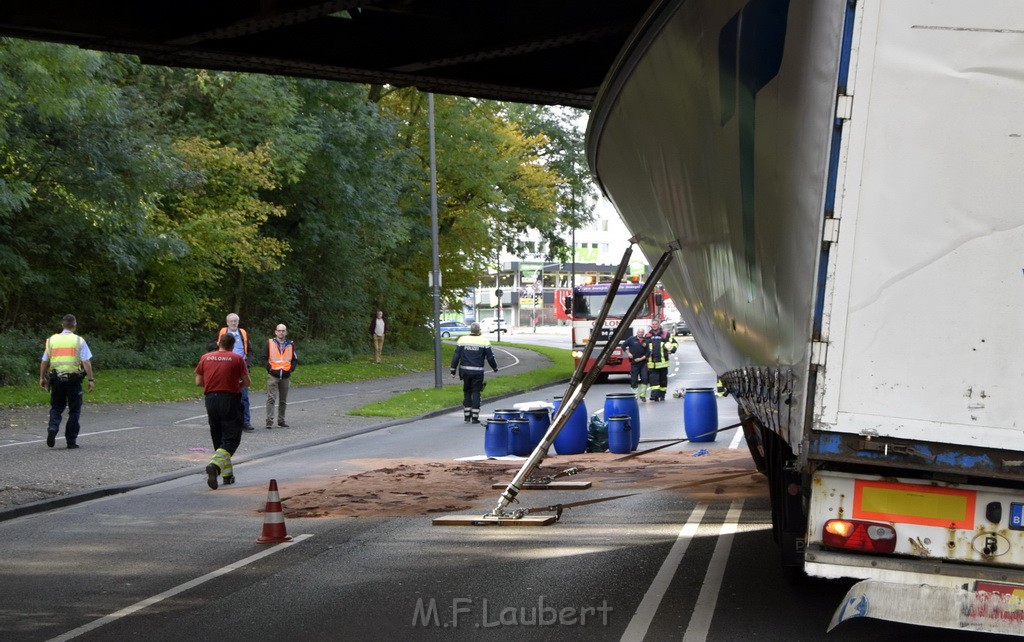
x: 661, y: 344
x: 471, y: 351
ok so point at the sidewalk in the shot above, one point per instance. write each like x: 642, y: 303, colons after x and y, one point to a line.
x: 128, y: 446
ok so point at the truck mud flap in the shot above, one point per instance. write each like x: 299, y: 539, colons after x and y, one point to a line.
x: 992, y: 611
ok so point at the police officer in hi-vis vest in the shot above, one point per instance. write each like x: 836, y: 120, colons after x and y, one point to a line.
x: 471, y: 352
x: 66, y: 361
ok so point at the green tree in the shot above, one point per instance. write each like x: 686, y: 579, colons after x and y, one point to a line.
x: 211, y: 230
x: 495, y: 183
x: 80, y: 170
x: 343, y: 220
x: 565, y: 153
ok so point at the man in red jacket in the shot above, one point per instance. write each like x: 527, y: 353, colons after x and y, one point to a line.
x: 222, y: 375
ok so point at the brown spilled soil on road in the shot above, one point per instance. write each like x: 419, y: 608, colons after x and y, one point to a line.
x: 389, y: 487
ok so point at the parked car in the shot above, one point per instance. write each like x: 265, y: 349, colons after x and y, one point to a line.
x: 680, y: 329
x: 490, y: 325
x: 453, y: 329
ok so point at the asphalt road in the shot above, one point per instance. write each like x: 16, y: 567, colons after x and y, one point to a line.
x: 173, y: 560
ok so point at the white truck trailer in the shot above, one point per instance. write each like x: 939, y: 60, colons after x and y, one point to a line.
x: 846, y: 182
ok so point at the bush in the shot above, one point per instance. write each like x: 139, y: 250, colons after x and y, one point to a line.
x: 420, y: 338
x: 19, y: 358
x: 20, y: 353
x: 17, y: 371
x: 320, y: 351
x: 174, y: 352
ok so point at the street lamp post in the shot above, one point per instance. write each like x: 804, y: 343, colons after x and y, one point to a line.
x: 436, y: 267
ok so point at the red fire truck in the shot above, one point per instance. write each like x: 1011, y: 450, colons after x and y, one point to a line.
x: 584, y: 306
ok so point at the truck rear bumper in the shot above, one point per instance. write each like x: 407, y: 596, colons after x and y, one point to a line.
x: 834, y: 565
x: 925, y: 592
x: 939, y: 606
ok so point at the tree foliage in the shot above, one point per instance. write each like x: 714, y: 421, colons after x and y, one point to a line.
x: 151, y: 201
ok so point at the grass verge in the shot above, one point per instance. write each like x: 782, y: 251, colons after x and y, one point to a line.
x: 178, y: 384
x: 422, y: 400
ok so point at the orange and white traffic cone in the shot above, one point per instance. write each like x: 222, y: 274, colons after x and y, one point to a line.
x: 273, y: 521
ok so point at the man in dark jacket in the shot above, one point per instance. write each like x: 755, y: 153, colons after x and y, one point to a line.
x: 471, y: 351
x: 637, y: 352
x: 280, y: 360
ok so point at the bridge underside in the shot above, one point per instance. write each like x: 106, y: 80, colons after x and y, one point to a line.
x: 536, y: 51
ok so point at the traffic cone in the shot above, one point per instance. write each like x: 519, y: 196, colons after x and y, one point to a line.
x: 273, y: 521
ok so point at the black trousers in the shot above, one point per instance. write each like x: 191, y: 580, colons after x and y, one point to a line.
x: 472, y: 386
x: 65, y: 394
x: 224, y: 412
x: 637, y: 373
x: 659, y: 382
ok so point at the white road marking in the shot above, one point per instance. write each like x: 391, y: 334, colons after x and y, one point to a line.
x: 515, y: 360
x: 150, y: 601
x: 737, y: 438
x: 84, y: 434
x: 644, y: 615
x: 708, y: 597
x: 704, y: 609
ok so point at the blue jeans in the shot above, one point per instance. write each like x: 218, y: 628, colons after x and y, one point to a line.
x: 65, y: 394
x: 245, y: 405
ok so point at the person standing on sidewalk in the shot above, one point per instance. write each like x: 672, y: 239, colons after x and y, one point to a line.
x: 471, y: 351
x: 223, y: 375
x: 241, y: 348
x: 280, y: 359
x: 66, y: 361
x: 377, y: 328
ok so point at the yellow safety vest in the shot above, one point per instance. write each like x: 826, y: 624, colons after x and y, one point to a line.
x: 65, y: 351
x: 279, y: 360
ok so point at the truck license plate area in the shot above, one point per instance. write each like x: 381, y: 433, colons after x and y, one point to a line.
x: 1016, y: 516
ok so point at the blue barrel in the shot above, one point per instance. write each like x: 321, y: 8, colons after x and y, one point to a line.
x: 572, y: 438
x: 620, y: 437
x: 519, y: 437
x: 700, y: 414
x: 508, y: 413
x: 624, y: 403
x: 496, y: 437
x: 539, y: 420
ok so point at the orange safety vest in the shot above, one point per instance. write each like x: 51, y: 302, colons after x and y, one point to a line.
x: 279, y: 360
x: 245, y: 339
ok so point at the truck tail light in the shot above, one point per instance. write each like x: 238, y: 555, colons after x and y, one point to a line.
x: 871, y: 537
